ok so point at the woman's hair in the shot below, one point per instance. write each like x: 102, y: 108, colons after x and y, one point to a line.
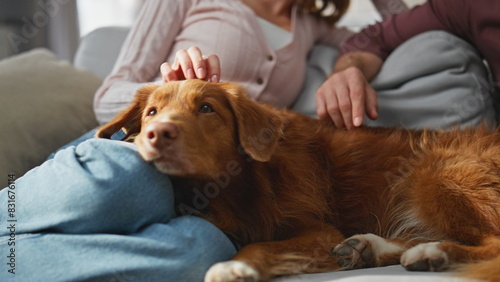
x: 322, y: 11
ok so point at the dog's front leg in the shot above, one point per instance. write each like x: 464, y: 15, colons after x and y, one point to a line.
x: 309, y: 250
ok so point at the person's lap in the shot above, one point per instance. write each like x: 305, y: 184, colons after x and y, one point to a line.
x: 86, y: 136
x: 96, y: 211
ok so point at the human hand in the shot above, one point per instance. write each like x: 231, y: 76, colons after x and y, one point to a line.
x: 191, y: 64
x: 345, y: 97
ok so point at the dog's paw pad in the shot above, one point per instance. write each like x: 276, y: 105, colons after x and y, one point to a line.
x: 231, y: 271
x: 355, y: 252
x: 425, y: 257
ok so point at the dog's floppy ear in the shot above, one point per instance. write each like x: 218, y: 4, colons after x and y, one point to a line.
x: 130, y: 118
x: 259, y: 128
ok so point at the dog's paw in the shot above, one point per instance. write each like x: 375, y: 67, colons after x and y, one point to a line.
x: 361, y: 251
x: 355, y: 252
x: 425, y: 257
x: 231, y: 271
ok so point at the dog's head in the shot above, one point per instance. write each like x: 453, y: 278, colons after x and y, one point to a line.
x: 195, y: 128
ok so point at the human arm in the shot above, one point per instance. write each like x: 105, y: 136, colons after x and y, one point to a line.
x: 346, y: 95
x: 147, y: 46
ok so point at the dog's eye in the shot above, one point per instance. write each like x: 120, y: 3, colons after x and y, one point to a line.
x: 152, y: 112
x: 206, y: 108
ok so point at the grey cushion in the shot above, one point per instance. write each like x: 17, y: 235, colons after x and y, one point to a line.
x: 46, y: 102
x: 434, y: 80
x: 99, y: 50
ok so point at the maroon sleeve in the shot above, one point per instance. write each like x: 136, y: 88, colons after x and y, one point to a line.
x: 383, y: 37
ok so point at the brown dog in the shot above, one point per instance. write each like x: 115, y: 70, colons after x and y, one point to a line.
x: 290, y: 188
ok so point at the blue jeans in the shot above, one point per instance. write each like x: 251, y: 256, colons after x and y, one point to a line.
x: 98, y: 212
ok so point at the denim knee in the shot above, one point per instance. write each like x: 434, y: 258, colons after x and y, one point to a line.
x: 98, y: 186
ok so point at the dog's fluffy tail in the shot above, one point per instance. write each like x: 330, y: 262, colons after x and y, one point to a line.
x: 485, y: 270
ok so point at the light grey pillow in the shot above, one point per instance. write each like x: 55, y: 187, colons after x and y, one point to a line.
x: 433, y: 80
x: 99, y: 50
x: 46, y: 102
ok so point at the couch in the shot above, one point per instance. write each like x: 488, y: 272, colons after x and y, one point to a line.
x: 47, y: 102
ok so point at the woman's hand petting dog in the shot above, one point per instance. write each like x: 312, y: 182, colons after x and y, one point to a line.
x: 191, y: 63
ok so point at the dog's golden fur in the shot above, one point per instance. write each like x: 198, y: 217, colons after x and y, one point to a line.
x: 291, y: 188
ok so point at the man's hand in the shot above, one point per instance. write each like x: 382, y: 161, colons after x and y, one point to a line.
x: 346, y: 95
